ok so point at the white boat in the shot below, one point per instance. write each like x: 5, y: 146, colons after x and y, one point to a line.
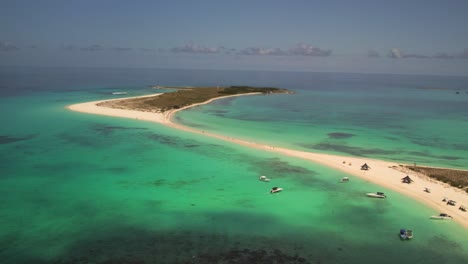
x: 119, y: 93
x: 406, y: 234
x: 276, y: 190
x: 376, y: 195
x: 442, y: 217
x: 264, y: 178
x: 344, y: 179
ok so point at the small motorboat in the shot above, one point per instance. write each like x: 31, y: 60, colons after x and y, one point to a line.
x: 462, y: 208
x: 451, y: 202
x: 276, y: 190
x: 264, y: 178
x: 344, y: 179
x: 442, y: 217
x: 119, y: 93
x: 406, y: 234
x: 376, y: 195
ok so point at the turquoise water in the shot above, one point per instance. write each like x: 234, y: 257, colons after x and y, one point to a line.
x: 81, y: 188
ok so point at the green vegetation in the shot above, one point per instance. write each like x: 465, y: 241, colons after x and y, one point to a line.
x: 456, y: 178
x: 185, y: 97
x: 248, y: 89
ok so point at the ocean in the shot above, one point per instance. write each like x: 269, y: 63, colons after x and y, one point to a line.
x: 81, y: 188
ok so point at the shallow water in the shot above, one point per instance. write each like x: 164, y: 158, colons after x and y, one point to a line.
x: 80, y: 188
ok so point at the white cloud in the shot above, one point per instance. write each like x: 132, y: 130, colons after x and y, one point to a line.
x: 192, y: 48
x: 8, y: 46
x: 395, y: 54
x: 309, y: 50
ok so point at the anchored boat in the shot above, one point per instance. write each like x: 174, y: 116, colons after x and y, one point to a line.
x: 406, y: 234
x: 442, y: 217
x: 376, y: 195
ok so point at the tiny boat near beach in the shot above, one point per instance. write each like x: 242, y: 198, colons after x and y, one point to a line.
x: 264, y: 178
x: 344, y: 179
x: 406, y: 234
x: 276, y: 190
x: 119, y: 93
x: 442, y: 217
x: 376, y: 195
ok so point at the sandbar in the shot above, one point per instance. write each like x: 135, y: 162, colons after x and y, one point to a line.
x: 383, y: 173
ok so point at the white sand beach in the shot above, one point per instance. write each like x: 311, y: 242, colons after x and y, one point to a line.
x: 382, y: 173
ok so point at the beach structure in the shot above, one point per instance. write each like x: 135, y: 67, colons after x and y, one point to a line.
x: 407, y: 179
x: 365, y: 167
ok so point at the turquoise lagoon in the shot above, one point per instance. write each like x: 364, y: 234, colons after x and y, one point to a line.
x: 81, y: 188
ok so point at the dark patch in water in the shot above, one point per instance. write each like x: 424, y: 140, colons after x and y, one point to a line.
x: 248, y: 256
x: 355, y: 151
x: 159, y: 182
x: 118, y: 170
x: 276, y: 168
x: 154, y: 203
x: 220, y: 113
x: 83, y: 141
x: 340, y: 135
x: 106, y: 130
x: 181, y: 184
x: 163, y: 139
x: 245, y: 203
x: 279, y: 167
x: 429, y: 155
x: 191, y: 145
x: 9, y: 139
x: 460, y: 147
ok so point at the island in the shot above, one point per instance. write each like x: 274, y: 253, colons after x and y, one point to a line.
x: 184, y: 97
x: 432, y: 186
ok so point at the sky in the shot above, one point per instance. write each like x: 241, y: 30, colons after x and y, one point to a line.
x: 368, y: 36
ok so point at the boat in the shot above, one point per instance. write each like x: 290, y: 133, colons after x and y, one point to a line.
x: 442, y: 217
x: 376, y: 195
x: 406, y: 234
x: 119, y: 93
x: 264, y: 178
x: 344, y: 179
x: 276, y: 190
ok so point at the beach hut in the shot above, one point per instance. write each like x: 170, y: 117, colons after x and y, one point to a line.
x: 406, y: 179
x: 365, y: 167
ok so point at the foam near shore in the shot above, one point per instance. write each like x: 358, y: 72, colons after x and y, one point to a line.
x: 383, y: 173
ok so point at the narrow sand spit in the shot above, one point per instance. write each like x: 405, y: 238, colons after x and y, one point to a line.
x: 383, y: 173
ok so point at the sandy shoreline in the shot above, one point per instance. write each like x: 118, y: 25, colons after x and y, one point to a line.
x: 382, y: 173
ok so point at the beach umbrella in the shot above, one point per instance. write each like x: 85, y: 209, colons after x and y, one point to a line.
x: 407, y: 179
x: 365, y: 167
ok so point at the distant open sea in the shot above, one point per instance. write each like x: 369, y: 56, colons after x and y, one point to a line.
x: 81, y: 188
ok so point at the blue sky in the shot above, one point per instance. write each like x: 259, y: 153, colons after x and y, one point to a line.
x: 413, y: 37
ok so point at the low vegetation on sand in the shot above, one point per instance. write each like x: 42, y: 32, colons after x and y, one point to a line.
x: 456, y: 178
x: 185, y: 97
